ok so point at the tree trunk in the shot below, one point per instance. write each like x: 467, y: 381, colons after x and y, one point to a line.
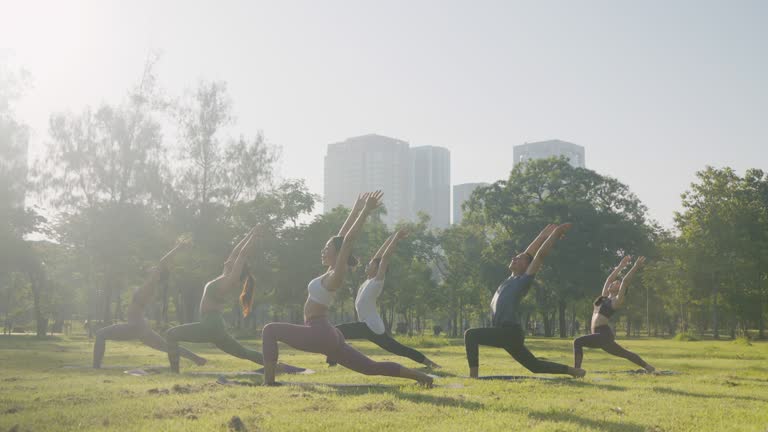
x: 761, y: 312
x: 648, y: 310
x: 715, y: 322
x: 107, y: 306
x: 548, y: 330
x: 42, y: 323
x: 164, y: 301
x: 761, y: 321
x: 7, y: 322
x: 179, y: 306
x: 573, y: 320
x: 118, y: 304
x: 561, y: 318
x: 454, y: 324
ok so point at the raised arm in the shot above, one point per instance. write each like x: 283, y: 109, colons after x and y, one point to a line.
x: 149, y: 284
x: 380, y: 252
x: 354, y: 213
x: 543, y: 251
x: 399, y: 235
x: 340, y: 268
x: 539, y: 240
x: 615, y: 274
x: 233, y: 276
x: 627, y: 279
x: 236, y: 251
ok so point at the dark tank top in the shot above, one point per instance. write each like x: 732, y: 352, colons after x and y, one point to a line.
x: 605, y: 308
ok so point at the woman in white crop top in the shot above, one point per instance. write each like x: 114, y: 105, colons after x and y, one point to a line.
x: 317, y: 334
x: 370, y: 325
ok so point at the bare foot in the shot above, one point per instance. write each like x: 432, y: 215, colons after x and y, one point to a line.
x: 200, y: 361
x: 432, y: 365
x: 576, y: 372
x: 425, y: 381
x: 650, y: 369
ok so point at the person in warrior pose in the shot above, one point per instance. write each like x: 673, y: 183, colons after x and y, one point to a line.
x: 611, y: 299
x: 216, y: 295
x: 507, y: 332
x: 318, y: 335
x: 137, y: 326
x: 371, y: 326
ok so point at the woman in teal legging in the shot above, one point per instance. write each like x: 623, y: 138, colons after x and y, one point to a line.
x: 216, y: 295
x: 137, y: 327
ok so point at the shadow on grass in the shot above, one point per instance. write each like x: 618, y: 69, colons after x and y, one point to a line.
x: 592, y: 424
x: 669, y: 391
x: 588, y: 384
x: 397, y: 392
x: 740, y: 378
x: 436, y: 372
x: 16, y: 341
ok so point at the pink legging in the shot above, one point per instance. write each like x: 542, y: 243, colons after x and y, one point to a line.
x: 318, y: 335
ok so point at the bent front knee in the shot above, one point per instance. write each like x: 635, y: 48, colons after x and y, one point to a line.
x: 269, y: 332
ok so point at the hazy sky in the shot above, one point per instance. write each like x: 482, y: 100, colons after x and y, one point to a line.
x: 654, y: 90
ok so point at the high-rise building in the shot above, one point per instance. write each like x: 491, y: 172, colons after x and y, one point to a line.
x: 461, y: 193
x: 547, y: 149
x: 431, y: 168
x: 368, y: 163
x: 14, y: 142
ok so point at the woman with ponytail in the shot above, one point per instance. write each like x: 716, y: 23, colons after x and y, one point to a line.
x: 235, y: 276
x: 606, y: 304
x: 137, y: 327
x: 318, y: 335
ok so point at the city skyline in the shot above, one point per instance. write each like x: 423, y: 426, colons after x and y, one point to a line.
x: 413, y: 179
x: 575, y: 153
x: 461, y: 193
x: 432, y: 184
x: 367, y: 163
x: 649, y: 88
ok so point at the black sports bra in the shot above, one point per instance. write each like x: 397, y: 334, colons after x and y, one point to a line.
x: 604, y: 307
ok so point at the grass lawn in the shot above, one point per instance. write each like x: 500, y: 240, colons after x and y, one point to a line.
x: 720, y: 386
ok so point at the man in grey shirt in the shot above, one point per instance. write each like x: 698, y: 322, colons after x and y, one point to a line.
x: 507, y: 332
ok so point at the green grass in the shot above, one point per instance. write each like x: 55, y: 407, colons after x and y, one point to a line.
x: 722, y: 386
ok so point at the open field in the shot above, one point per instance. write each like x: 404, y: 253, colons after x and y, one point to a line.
x: 720, y: 386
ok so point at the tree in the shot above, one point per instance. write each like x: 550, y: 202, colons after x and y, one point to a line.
x: 17, y: 259
x: 608, y: 219
x: 102, y: 170
x: 217, y: 170
x: 461, y: 265
x: 706, y: 227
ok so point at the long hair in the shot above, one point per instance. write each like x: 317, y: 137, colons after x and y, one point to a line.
x: 246, y: 296
x: 337, y: 242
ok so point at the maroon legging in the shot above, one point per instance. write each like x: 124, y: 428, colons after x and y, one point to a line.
x: 318, y: 335
x: 603, y: 338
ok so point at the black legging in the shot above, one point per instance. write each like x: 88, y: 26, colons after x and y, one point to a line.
x: 511, y: 339
x: 360, y: 330
x: 603, y: 338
